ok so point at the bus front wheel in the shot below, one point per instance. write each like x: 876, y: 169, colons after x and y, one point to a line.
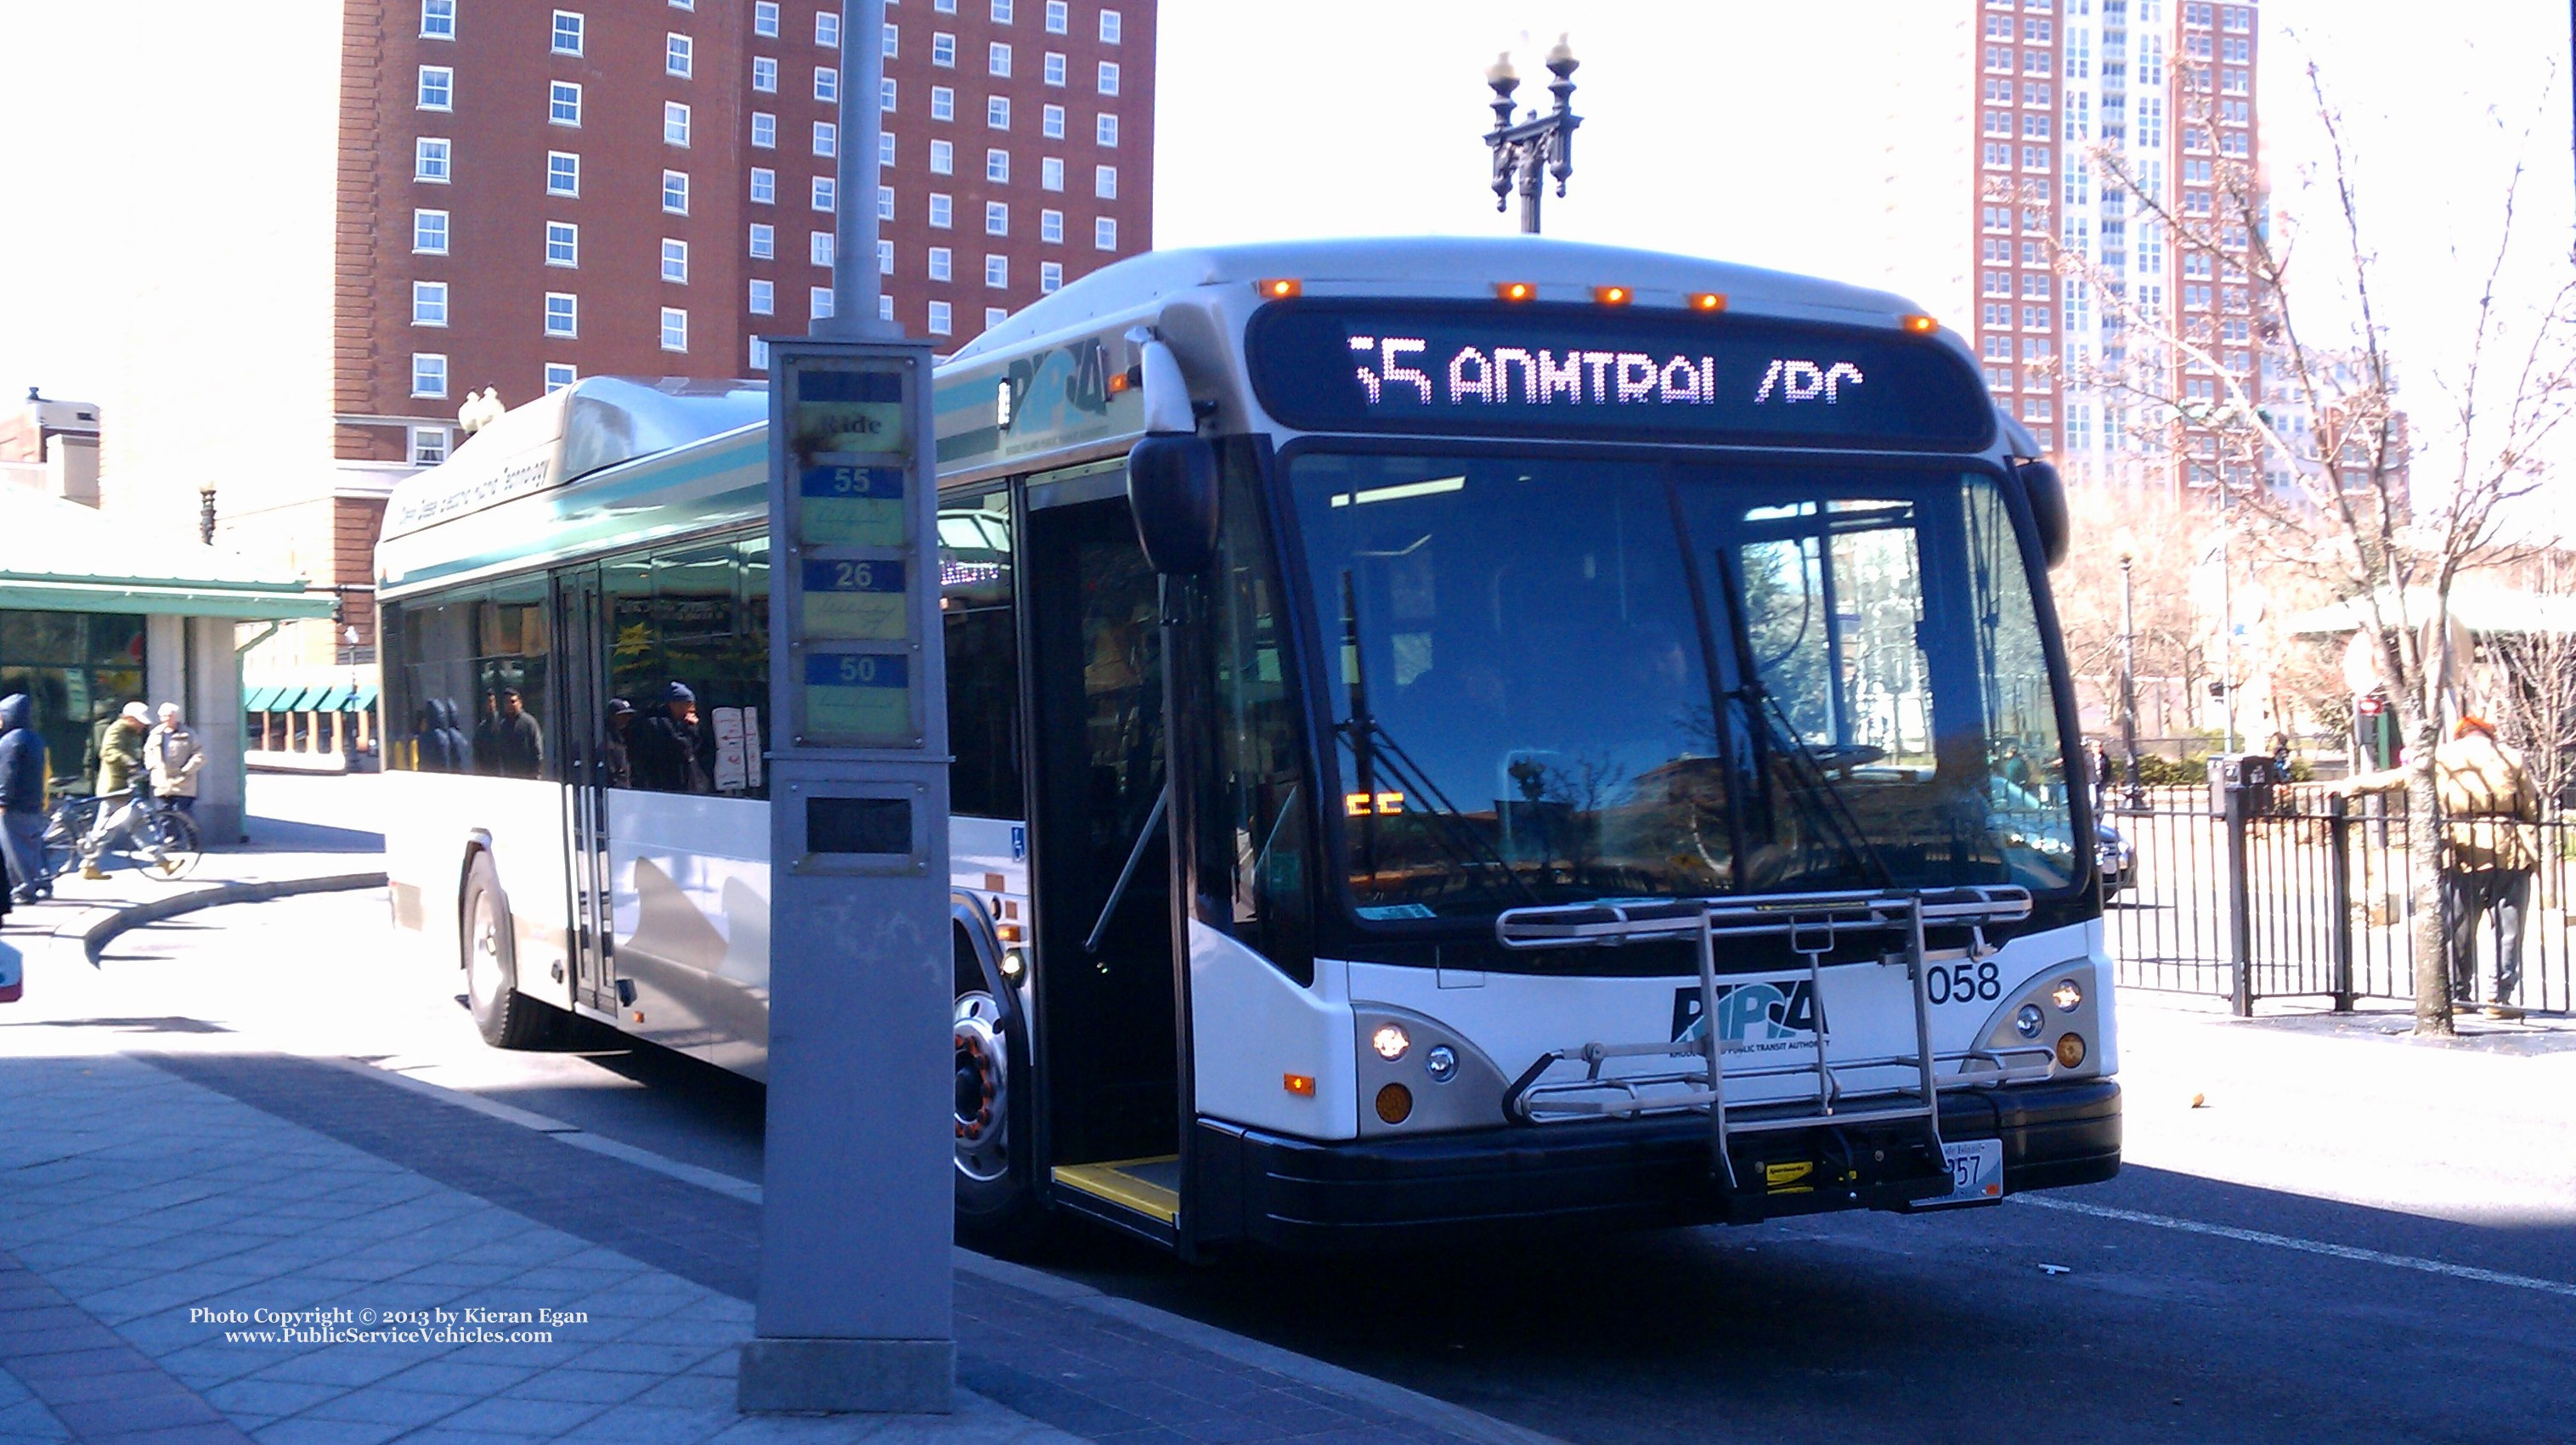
x: 507, y: 1018
x: 997, y: 1210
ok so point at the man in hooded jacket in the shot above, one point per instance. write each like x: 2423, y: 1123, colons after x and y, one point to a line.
x: 22, y: 799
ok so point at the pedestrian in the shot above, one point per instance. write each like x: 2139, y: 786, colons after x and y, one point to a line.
x: 617, y: 768
x: 513, y: 746
x: 666, y: 758
x: 2281, y: 759
x: 120, y: 772
x: 2097, y: 768
x: 172, y: 755
x: 2490, y: 852
x: 22, y: 799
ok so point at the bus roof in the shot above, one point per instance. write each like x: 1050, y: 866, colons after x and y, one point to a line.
x: 1459, y: 267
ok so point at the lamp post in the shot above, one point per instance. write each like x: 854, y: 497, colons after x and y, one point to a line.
x: 1536, y: 143
x: 2136, y: 793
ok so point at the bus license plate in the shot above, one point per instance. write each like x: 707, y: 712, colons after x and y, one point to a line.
x: 1976, y: 1171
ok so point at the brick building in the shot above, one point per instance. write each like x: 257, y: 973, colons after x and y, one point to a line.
x: 460, y: 194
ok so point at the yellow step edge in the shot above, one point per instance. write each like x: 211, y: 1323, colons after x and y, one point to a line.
x: 1111, y: 1182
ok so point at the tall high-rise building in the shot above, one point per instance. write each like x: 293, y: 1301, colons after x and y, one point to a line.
x: 439, y: 196
x: 2166, y: 90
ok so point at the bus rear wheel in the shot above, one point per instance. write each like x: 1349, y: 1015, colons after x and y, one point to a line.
x: 507, y: 1018
x: 997, y: 1209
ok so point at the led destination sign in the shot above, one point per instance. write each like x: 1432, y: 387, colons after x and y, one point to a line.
x: 1583, y: 371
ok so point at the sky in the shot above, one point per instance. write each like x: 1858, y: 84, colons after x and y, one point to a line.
x: 1750, y: 132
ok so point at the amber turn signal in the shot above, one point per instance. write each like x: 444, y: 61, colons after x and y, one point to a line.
x: 1515, y: 290
x: 1395, y: 1103
x: 1281, y: 288
x: 2070, y: 1050
x: 1301, y: 1085
x: 1613, y: 295
x: 1708, y: 301
x: 1920, y: 325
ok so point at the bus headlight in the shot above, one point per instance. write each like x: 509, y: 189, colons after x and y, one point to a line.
x: 2029, y: 1021
x: 1390, y: 1041
x: 2068, y: 995
x: 1441, y: 1063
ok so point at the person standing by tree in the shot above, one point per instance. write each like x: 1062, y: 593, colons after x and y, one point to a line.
x: 2489, y: 852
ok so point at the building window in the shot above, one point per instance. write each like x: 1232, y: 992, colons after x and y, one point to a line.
x: 1051, y: 227
x: 675, y: 123
x: 764, y: 241
x: 827, y: 138
x: 563, y: 103
x: 1050, y: 277
x: 885, y: 258
x: 675, y: 329
x: 939, y: 212
x: 943, y: 103
x: 563, y: 173
x: 1109, y: 77
x: 885, y: 203
x: 1055, y: 68
x: 886, y: 96
x: 428, y: 374
x: 437, y: 88
x: 1104, y: 182
x: 1001, y: 12
x: 563, y: 243
x: 764, y: 18
x: 824, y: 191
x: 429, y: 303
x: 568, y: 27
x: 997, y: 112
x: 438, y: 19
x: 995, y: 316
x: 885, y: 307
x: 827, y: 84
x: 759, y: 354
x: 938, y: 263
x: 943, y: 50
x: 675, y: 261
x: 997, y: 272
x: 997, y: 59
x: 1105, y: 131
x: 939, y: 318
x: 764, y: 298
x: 429, y: 160
x: 764, y: 130
x: 684, y: 4
x: 429, y: 233
x: 997, y: 166
x: 764, y: 74
x: 679, y: 55
x: 764, y: 186
x: 943, y: 158
x: 997, y: 218
x: 893, y: 47
x: 560, y: 374
x: 1059, y: 17
x: 428, y: 445
x: 675, y: 192
x: 819, y: 303
x: 818, y: 248
x: 563, y: 314
x: 827, y: 30
x: 1104, y: 234
x: 1051, y: 173
x: 1051, y: 122
x: 885, y: 150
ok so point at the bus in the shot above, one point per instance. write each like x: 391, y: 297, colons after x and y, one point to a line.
x: 1449, y: 737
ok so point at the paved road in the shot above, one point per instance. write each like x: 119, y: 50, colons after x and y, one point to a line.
x: 2353, y: 1239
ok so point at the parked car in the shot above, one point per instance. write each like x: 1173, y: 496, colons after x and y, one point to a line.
x: 2118, y: 860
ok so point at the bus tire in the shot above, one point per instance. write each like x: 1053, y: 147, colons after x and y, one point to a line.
x: 998, y: 1210
x: 507, y: 1018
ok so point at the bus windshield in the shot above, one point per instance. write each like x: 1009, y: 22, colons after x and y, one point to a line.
x: 1562, y: 679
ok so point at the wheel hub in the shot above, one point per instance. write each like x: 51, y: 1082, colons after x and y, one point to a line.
x: 983, y: 1089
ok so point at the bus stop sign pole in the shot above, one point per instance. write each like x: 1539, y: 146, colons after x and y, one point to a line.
x: 853, y: 1311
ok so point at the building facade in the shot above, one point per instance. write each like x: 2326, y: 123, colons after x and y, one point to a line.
x: 2076, y: 288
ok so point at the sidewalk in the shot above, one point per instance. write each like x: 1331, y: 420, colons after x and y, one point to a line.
x: 170, y: 1188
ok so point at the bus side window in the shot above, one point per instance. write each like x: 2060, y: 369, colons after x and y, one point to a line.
x: 688, y: 669
x: 975, y: 610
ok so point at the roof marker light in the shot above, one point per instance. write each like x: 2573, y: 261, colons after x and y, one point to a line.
x: 1708, y: 301
x: 1613, y: 295
x: 1515, y: 290
x: 1920, y: 325
x: 1280, y: 288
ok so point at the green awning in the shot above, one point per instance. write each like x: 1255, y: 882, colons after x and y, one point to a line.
x: 333, y: 700
x: 258, y: 699
x: 366, y: 697
x: 291, y: 699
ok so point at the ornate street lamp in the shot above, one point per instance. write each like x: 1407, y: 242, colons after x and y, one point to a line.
x: 1535, y: 144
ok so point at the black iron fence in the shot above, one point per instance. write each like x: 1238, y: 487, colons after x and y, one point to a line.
x: 2251, y: 892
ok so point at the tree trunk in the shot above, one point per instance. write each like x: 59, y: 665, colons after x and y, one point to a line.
x: 2424, y: 876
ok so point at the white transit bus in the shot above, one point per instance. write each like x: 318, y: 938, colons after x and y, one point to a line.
x: 1594, y: 753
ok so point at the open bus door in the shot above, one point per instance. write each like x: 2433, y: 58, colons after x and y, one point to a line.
x: 590, y: 749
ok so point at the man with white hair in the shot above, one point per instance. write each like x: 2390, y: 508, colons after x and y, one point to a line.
x: 173, y: 757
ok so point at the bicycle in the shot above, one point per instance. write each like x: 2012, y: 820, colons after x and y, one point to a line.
x: 162, y: 841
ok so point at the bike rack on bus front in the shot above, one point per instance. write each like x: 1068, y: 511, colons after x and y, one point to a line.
x: 1811, y: 922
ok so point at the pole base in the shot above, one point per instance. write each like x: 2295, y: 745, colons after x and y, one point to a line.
x: 828, y: 1376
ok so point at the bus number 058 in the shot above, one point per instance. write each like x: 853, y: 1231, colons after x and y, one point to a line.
x: 1963, y: 983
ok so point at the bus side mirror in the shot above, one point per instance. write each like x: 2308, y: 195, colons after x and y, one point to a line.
x: 2047, y: 493
x: 1171, y: 490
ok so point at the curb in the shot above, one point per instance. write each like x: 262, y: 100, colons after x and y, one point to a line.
x: 95, y: 938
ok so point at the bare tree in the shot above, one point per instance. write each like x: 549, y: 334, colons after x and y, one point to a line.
x: 2346, y: 506
x: 2161, y: 540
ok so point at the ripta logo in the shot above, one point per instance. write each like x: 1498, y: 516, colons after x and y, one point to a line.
x: 1752, y: 1016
